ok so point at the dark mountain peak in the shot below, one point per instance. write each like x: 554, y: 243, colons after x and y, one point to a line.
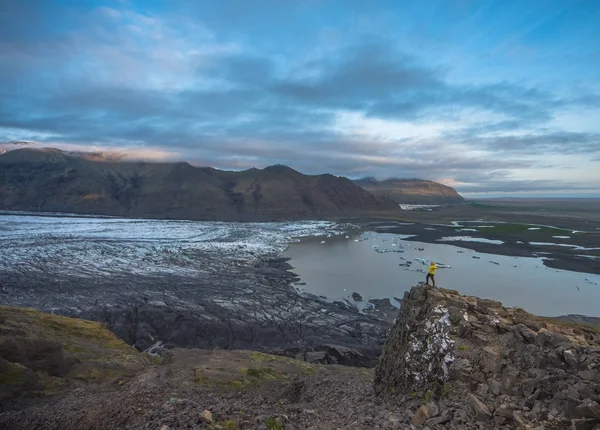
x: 34, y: 155
x: 280, y: 168
x: 367, y: 179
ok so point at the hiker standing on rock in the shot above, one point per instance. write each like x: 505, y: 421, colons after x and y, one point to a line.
x: 432, y: 268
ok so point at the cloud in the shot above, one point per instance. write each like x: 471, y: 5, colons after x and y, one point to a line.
x: 525, y: 186
x: 173, y: 84
x: 562, y: 142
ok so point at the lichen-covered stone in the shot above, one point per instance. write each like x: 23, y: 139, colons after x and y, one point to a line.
x: 483, y: 362
x: 419, y: 349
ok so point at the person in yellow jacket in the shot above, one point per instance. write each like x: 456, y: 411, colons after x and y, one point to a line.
x: 431, y: 273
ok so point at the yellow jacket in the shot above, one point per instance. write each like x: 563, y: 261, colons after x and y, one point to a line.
x: 432, y: 268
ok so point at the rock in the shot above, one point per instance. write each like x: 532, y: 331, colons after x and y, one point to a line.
x: 526, y: 333
x: 316, y: 357
x: 491, y: 360
x: 480, y: 338
x: 495, y: 387
x: 583, y: 424
x: 465, y: 330
x: 425, y: 412
x: 588, y: 409
x: 456, y: 315
x: 588, y: 375
x: 434, y: 410
x: 357, y: 297
x: 460, y: 370
x: 384, y: 305
x: 206, y: 417
x: 382, y: 415
x: 505, y: 411
x: 518, y: 420
x: 445, y: 417
x: 550, y: 339
x: 509, y: 379
x: 419, y: 417
x: 394, y: 419
x: 482, y: 412
x: 570, y: 358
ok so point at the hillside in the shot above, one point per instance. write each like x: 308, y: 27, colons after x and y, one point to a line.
x: 57, y: 181
x: 450, y: 361
x: 42, y: 354
x: 411, y: 191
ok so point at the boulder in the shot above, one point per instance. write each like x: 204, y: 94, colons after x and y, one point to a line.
x: 507, y: 366
x: 424, y: 413
x: 316, y: 357
x: 495, y: 387
x: 482, y: 412
x: 588, y: 409
x: 584, y: 424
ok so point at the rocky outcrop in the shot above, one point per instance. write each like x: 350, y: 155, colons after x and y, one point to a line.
x: 478, y: 364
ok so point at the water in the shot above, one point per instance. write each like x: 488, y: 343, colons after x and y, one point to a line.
x: 342, y: 266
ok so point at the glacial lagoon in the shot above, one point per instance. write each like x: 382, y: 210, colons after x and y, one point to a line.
x: 377, y: 265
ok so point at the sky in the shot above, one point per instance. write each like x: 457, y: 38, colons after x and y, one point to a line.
x: 494, y: 98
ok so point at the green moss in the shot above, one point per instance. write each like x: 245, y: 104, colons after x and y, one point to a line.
x: 224, y: 425
x: 52, y: 384
x: 94, y: 374
x: 260, y: 357
x: 73, y: 348
x: 261, y: 373
x: 447, y: 390
x: 236, y: 383
x: 428, y: 396
x: 463, y: 347
x: 12, y: 376
x: 307, y: 369
x: 272, y: 424
x: 76, y: 335
x: 200, y: 377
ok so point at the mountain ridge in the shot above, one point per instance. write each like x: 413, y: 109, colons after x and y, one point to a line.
x: 53, y: 180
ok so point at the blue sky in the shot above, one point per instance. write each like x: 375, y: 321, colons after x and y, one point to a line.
x: 491, y: 97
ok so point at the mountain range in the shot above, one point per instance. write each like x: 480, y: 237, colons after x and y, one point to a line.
x: 53, y: 180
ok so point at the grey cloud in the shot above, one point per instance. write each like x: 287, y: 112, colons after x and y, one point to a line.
x: 520, y: 186
x: 358, y: 77
x: 562, y: 142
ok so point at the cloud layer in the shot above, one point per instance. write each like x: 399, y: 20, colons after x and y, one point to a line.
x: 321, y: 87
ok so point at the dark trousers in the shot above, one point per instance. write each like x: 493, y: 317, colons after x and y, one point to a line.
x: 429, y: 275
